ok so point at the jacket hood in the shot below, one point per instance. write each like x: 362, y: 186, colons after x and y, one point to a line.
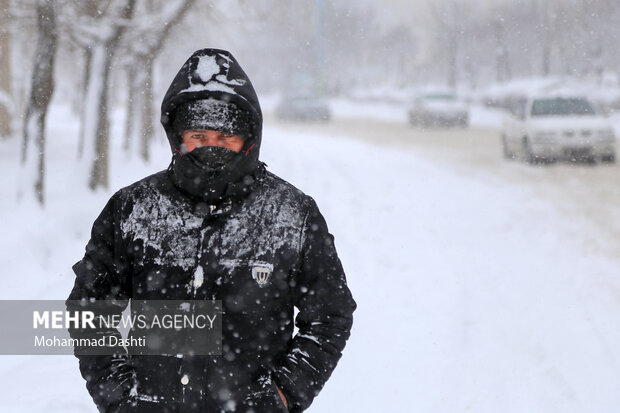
x: 214, y: 74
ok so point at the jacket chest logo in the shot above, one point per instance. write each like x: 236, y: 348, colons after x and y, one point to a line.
x: 261, y: 274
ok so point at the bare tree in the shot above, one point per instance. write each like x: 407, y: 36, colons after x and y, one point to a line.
x: 5, y: 70
x: 98, y: 27
x: 598, y: 19
x: 449, y: 18
x: 546, y: 28
x: 41, y: 91
x: 502, y: 60
x: 145, y: 41
x: 398, y: 47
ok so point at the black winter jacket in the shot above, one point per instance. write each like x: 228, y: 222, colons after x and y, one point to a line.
x: 147, y: 244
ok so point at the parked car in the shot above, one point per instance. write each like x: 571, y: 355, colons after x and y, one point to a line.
x: 547, y: 128
x: 439, y: 110
x: 303, y: 108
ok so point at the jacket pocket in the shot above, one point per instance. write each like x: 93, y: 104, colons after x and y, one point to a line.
x: 263, y: 396
x: 153, y: 374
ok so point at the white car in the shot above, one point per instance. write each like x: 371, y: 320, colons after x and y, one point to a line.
x: 557, y: 127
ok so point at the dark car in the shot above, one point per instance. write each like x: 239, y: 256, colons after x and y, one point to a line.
x: 439, y: 110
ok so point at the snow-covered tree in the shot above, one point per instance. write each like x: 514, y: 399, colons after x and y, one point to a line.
x: 452, y: 22
x: 5, y: 70
x: 502, y: 59
x: 98, y: 26
x: 150, y: 28
x: 41, y: 90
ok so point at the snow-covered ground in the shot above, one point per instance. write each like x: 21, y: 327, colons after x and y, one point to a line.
x: 473, y: 295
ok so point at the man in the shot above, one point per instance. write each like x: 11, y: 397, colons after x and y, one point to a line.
x: 217, y: 226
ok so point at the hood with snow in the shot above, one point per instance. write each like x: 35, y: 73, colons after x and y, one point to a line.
x: 213, y: 75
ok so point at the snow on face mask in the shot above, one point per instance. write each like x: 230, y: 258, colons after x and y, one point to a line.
x: 205, y: 172
x: 212, y: 158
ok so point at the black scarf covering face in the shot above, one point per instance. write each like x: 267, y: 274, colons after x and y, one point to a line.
x: 211, y: 173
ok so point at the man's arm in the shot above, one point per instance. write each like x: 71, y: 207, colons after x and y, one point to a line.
x: 101, y: 278
x: 324, y: 320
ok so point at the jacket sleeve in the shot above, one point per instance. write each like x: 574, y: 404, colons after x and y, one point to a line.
x: 102, y: 285
x: 324, y: 320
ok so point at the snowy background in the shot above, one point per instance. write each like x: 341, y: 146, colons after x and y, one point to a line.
x: 475, y: 293
x: 483, y: 285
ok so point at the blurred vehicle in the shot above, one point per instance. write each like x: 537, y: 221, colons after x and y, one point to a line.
x: 547, y: 128
x: 303, y: 109
x: 439, y: 110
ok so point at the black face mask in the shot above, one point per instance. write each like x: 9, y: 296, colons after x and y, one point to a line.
x: 212, y: 159
x: 212, y: 173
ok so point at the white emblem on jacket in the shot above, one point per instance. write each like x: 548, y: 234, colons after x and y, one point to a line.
x: 261, y: 274
x: 261, y: 270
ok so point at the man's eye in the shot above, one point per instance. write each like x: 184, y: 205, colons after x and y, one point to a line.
x: 197, y: 136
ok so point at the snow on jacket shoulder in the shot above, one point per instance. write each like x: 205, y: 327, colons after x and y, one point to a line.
x: 149, y: 243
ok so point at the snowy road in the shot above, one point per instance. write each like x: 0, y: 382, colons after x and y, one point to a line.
x: 483, y: 285
x: 587, y: 195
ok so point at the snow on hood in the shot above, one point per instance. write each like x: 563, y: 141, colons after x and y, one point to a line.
x: 213, y: 74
